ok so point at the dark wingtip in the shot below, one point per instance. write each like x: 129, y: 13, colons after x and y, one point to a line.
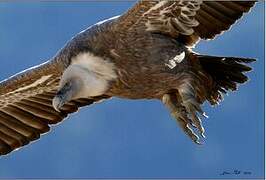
x: 244, y: 60
x: 249, y: 60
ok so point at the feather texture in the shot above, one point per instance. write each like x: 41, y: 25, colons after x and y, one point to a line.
x: 186, y: 20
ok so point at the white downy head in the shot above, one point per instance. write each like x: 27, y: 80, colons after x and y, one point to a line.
x: 87, y: 76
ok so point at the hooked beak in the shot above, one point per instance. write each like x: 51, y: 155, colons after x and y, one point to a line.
x: 63, y: 96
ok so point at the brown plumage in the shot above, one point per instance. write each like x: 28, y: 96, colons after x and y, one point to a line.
x: 143, y: 54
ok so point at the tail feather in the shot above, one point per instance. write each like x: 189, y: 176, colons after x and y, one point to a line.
x: 226, y: 73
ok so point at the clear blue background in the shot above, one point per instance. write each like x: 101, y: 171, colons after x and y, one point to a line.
x: 124, y: 138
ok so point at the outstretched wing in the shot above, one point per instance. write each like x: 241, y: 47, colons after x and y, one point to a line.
x: 187, y: 20
x: 26, y: 109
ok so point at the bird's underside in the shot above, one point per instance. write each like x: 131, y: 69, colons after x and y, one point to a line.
x: 143, y: 54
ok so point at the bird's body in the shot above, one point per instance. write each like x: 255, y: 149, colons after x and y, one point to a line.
x: 138, y: 69
x: 144, y: 54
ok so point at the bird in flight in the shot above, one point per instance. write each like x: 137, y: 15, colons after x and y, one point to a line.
x: 146, y: 53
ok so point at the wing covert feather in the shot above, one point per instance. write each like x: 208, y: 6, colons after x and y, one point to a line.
x: 186, y: 20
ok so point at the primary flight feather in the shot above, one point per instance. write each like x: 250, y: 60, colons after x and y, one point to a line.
x: 142, y: 54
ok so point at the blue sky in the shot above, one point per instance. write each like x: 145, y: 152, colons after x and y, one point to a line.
x: 124, y: 138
